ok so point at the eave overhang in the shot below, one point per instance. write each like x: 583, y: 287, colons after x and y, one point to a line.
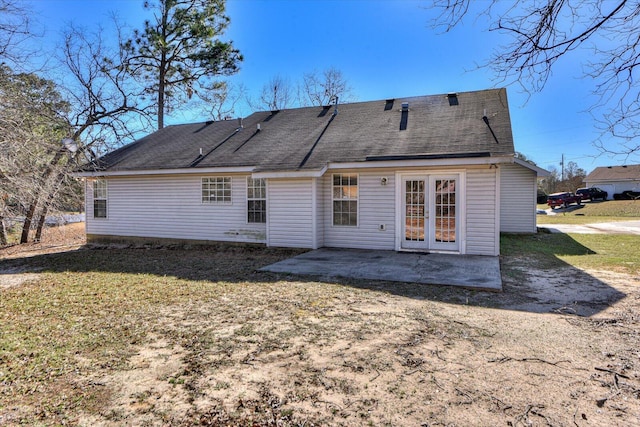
x: 386, y: 162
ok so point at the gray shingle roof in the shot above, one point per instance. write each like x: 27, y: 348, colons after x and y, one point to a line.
x: 615, y: 173
x: 308, y: 138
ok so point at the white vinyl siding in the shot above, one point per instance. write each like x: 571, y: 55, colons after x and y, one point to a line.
x: 319, y: 211
x: 376, y: 207
x: 299, y: 210
x: 481, y: 216
x: 518, y: 190
x: 171, y: 207
x: 290, y: 218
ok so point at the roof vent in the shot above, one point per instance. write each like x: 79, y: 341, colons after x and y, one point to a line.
x: 388, y: 104
x: 453, y: 98
x: 325, y: 108
x: 334, y: 99
x: 258, y: 128
x: 404, y: 118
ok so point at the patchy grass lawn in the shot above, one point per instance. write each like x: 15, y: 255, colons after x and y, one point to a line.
x: 612, y: 252
x: 590, y: 212
x: 197, y: 336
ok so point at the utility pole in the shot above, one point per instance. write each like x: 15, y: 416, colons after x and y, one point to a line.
x: 562, y: 165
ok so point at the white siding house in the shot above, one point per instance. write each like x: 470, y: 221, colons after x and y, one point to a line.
x: 171, y: 207
x: 518, y: 197
x: 290, y: 213
x: 482, y: 216
x: 435, y: 174
x: 376, y: 213
x: 615, y: 179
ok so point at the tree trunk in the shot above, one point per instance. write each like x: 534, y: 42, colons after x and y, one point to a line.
x: 161, y: 107
x: 26, y: 226
x: 28, y: 219
x: 3, y: 232
x: 41, y: 221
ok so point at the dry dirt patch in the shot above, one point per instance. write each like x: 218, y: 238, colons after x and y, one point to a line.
x: 299, y: 353
x: 55, y: 239
x: 236, y: 347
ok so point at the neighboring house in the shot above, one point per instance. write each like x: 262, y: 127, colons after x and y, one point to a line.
x: 429, y: 173
x: 615, y: 179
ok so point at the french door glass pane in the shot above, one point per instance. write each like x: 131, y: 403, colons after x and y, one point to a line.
x: 415, y: 210
x: 445, y: 210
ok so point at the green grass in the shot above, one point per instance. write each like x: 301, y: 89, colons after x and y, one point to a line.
x: 590, y: 212
x: 98, y: 305
x: 90, y: 310
x: 613, y: 252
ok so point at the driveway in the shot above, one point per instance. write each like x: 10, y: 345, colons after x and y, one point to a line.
x: 469, y: 271
x: 622, y: 227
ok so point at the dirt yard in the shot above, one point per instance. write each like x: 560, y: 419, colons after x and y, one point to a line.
x: 231, y: 346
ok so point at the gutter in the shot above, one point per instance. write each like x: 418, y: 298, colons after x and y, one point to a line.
x: 185, y: 171
x: 314, y: 173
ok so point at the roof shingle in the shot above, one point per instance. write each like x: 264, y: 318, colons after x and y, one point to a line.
x: 615, y: 173
x: 308, y: 138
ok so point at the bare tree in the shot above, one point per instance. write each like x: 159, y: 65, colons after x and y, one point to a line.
x: 32, y: 115
x: 15, y: 29
x: 220, y: 104
x: 320, y: 89
x: 104, y: 110
x: 107, y: 106
x: 276, y: 94
x: 549, y: 184
x: 573, y: 177
x: 543, y: 32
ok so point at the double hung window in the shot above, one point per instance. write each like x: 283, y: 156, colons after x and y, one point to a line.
x: 100, y: 198
x: 345, y: 199
x: 256, y: 200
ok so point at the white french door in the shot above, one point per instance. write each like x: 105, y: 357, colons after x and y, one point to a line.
x: 429, y: 212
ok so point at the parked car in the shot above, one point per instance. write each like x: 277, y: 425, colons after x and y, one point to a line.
x: 592, y: 193
x: 541, y: 197
x: 563, y: 199
x: 627, y: 195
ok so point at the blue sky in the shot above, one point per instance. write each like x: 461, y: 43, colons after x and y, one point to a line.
x: 386, y: 49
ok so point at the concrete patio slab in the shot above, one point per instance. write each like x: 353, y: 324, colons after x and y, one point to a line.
x: 469, y: 271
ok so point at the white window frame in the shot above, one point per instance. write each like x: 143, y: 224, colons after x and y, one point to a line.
x: 345, y: 197
x: 100, y: 195
x: 251, y: 197
x: 215, y: 184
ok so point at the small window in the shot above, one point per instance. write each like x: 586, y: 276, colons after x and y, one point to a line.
x: 216, y: 190
x: 256, y: 200
x: 100, y: 198
x: 345, y: 199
